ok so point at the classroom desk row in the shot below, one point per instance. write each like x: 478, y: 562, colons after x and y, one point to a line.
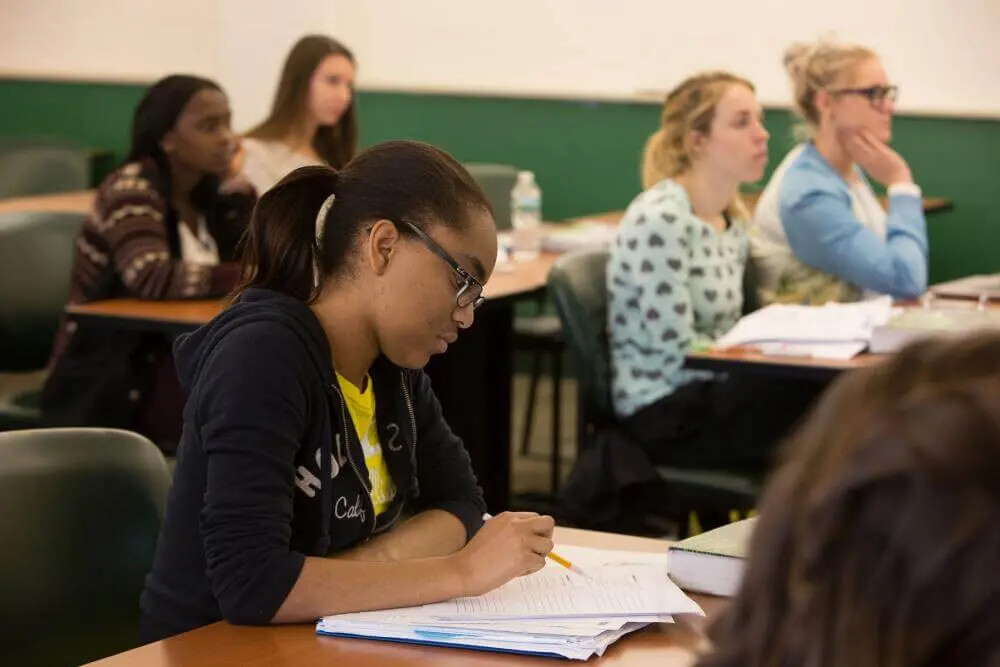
x: 473, y: 381
x: 665, y: 645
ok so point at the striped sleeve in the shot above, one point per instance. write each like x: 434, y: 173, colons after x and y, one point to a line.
x: 132, y: 219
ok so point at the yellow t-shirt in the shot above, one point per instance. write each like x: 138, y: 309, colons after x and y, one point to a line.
x: 361, y: 406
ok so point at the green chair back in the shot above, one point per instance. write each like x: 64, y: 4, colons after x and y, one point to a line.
x: 80, y: 517
x: 496, y: 180
x: 42, y: 168
x: 576, y: 284
x: 36, y: 265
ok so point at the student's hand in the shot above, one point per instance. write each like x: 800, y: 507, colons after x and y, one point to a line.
x: 507, y: 546
x: 878, y: 160
x: 238, y: 160
x: 238, y: 183
x: 236, y: 180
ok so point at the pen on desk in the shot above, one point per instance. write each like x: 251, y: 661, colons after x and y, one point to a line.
x: 556, y: 558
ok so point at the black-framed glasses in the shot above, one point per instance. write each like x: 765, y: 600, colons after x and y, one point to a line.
x: 471, y: 291
x: 874, y: 94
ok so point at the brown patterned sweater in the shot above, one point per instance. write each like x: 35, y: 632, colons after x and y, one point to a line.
x: 129, y: 247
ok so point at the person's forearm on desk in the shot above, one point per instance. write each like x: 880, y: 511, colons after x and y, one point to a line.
x: 329, y: 586
x: 428, y: 534
x: 512, y: 544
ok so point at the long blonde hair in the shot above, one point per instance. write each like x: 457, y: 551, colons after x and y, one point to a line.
x: 690, y: 106
x: 815, y: 67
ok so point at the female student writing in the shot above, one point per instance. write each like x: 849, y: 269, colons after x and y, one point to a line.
x: 674, y: 280
x: 878, y: 537
x: 819, y: 234
x: 164, y: 226
x: 311, y: 431
x: 312, y: 120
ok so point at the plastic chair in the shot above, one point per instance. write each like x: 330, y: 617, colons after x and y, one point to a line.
x: 36, y: 265
x: 80, y: 517
x: 577, y: 286
x: 42, y: 167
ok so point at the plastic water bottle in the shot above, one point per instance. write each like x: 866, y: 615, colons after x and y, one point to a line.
x: 526, y: 216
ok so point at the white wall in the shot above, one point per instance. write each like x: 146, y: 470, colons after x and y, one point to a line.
x: 943, y: 53
x: 117, y: 40
x: 255, y: 37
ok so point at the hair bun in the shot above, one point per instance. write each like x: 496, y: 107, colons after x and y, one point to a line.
x: 796, y: 58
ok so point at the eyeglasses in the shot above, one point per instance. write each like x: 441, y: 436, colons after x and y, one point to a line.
x: 471, y: 291
x: 875, y: 94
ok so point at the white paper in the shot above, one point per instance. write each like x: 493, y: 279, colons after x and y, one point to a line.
x: 551, y: 611
x: 580, y: 235
x: 831, y: 331
x: 632, y: 590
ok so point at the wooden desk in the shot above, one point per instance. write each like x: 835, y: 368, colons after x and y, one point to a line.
x: 523, y: 278
x: 670, y: 645
x: 738, y: 360
x: 77, y: 201
x: 473, y: 380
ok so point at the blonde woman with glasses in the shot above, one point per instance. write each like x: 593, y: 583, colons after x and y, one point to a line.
x: 819, y: 233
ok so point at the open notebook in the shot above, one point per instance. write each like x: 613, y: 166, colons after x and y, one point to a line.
x: 552, y: 612
x: 831, y: 331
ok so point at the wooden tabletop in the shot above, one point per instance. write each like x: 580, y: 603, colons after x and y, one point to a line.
x: 666, y: 645
x: 78, y: 201
x: 519, y: 279
x: 748, y: 360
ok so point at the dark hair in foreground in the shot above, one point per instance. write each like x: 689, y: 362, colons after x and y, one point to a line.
x: 879, y: 536
x: 396, y: 180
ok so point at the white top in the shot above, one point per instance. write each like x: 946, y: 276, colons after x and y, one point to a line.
x: 197, y: 249
x: 267, y: 162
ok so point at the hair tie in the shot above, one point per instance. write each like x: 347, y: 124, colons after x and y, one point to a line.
x: 324, y: 209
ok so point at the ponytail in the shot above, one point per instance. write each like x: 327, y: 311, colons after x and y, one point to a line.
x: 690, y: 106
x: 280, y: 246
x: 299, y: 236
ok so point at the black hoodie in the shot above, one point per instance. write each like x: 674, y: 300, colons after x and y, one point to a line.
x: 265, y: 424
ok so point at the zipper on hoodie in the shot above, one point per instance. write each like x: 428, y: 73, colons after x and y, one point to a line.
x: 413, y: 448
x: 409, y: 408
x: 350, y: 459
x: 413, y: 427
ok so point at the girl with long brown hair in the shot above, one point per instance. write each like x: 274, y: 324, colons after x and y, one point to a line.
x: 312, y: 119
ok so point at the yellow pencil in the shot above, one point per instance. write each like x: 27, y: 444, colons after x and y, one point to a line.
x: 566, y: 564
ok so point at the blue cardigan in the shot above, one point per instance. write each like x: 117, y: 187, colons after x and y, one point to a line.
x: 819, y: 224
